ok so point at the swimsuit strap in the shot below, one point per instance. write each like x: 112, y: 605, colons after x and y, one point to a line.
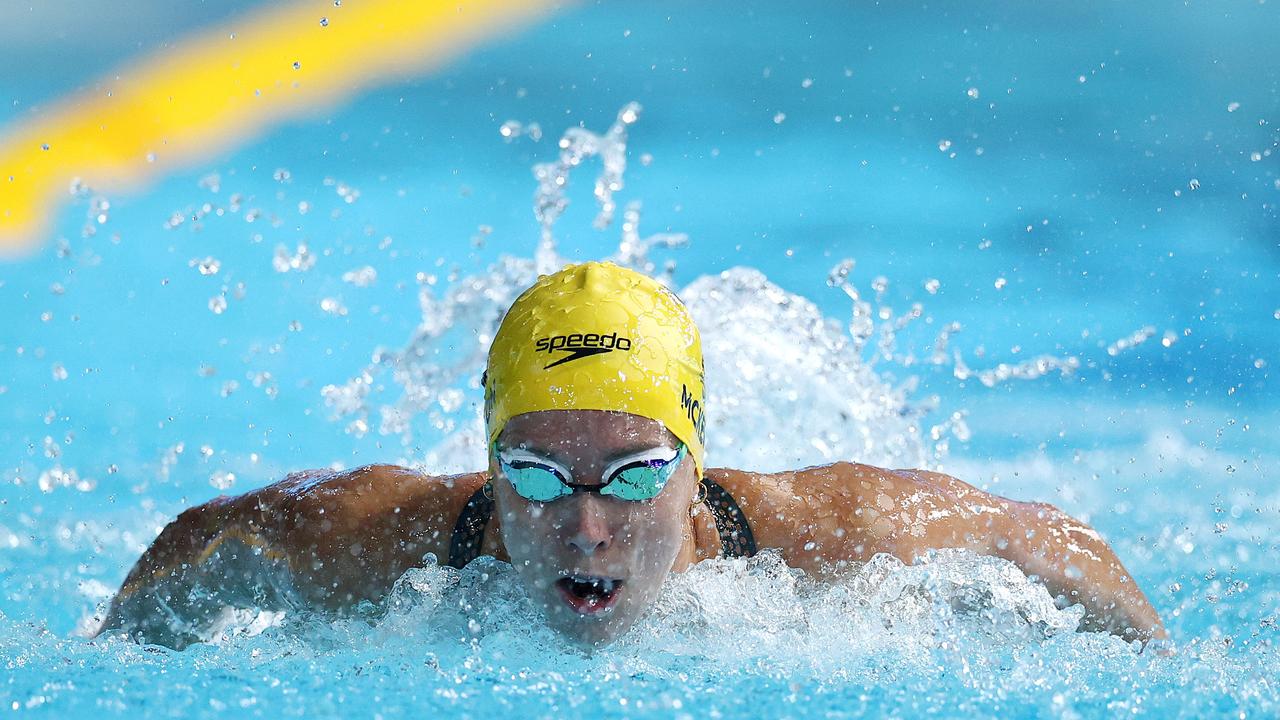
x: 468, y: 532
x: 731, y: 522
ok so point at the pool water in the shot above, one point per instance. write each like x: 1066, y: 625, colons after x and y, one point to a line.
x: 1033, y: 247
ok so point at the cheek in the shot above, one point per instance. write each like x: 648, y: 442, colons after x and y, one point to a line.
x: 528, y: 530
x: 657, y: 525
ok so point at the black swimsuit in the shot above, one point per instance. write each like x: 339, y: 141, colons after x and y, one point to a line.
x: 731, y: 523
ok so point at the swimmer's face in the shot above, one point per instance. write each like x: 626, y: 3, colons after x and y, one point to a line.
x: 594, y: 563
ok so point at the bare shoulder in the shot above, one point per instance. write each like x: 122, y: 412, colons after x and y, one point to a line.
x: 824, y: 517
x: 371, y: 499
x: 357, y: 531
x: 371, y: 490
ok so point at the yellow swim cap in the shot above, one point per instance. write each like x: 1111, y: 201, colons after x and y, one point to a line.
x: 597, y: 336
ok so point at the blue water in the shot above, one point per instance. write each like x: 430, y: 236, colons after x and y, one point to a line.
x: 1118, y: 170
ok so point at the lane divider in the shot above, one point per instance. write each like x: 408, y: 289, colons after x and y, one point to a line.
x: 222, y: 86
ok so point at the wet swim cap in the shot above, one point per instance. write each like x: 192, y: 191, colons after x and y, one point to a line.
x: 597, y: 336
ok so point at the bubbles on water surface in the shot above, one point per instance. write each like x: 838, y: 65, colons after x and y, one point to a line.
x: 957, y: 631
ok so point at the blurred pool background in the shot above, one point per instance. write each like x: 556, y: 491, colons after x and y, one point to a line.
x: 1057, y: 180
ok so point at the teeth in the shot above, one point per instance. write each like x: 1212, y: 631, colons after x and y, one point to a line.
x: 603, y: 586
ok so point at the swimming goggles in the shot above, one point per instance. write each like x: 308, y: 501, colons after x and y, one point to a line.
x: 636, y: 477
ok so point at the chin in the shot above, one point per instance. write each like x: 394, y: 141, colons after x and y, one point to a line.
x: 588, y: 630
x: 592, y: 634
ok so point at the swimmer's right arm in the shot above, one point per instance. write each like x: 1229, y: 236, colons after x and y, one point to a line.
x: 318, y: 539
x: 180, y: 584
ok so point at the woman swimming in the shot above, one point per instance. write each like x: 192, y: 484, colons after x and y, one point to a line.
x: 596, y: 490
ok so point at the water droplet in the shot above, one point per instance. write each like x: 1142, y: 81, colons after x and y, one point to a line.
x: 841, y: 271
x: 207, y: 266
x: 324, y: 22
x: 944, y: 145
x: 44, y: 146
x: 333, y: 306
x: 222, y: 480
x: 1194, y: 184
x: 932, y: 285
x: 972, y: 92
x: 347, y: 193
x: 1255, y: 156
x: 806, y: 83
x: 1233, y: 106
x: 59, y: 372
x: 1000, y: 283
x: 217, y: 304
x: 297, y: 65
x: 361, y: 277
x: 779, y: 118
x: 301, y: 260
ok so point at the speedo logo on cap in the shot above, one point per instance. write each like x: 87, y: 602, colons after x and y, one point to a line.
x: 580, y: 345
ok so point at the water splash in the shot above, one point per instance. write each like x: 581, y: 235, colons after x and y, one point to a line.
x: 771, y: 355
x: 863, y: 327
x: 577, y: 145
x: 738, y: 635
x: 729, y: 610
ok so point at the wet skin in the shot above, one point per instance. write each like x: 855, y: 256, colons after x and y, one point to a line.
x: 328, y: 540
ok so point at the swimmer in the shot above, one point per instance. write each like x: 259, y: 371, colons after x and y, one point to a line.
x: 596, y: 490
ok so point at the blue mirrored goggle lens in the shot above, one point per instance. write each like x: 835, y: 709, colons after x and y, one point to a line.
x: 635, y: 481
x: 642, y: 480
x: 540, y: 483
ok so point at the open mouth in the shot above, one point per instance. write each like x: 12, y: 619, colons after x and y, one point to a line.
x: 589, y: 594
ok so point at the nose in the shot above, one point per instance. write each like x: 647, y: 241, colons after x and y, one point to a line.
x: 589, y: 532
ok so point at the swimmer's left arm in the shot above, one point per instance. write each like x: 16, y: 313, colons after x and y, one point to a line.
x: 821, y: 518
x: 1075, y: 563
x: 1068, y: 556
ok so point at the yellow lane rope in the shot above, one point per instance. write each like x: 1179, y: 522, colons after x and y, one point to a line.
x: 221, y: 86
